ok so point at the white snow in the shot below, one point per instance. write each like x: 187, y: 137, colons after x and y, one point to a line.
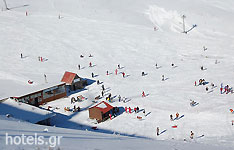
x: 102, y: 105
x: 23, y: 111
x: 122, y: 32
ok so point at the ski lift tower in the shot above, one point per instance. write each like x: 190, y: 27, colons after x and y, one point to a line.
x: 183, y: 17
x: 6, y: 5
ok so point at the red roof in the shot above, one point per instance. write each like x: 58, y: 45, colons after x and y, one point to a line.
x: 68, y: 77
x: 103, y: 107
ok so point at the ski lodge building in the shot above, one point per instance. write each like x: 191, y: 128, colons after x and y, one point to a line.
x: 41, y: 94
x: 73, y: 81
x: 100, y: 112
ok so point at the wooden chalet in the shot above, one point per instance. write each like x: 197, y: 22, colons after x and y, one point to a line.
x: 44, y: 95
x: 100, y: 112
x: 73, y: 81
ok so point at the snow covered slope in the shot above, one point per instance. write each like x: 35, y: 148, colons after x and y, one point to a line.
x: 122, y: 32
x: 73, y: 139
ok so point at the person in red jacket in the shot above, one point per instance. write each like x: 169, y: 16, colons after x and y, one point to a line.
x: 135, y: 109
x: 116, y: 71
x: 123, y: 74
x: 110, y: 116
x: 143, y: 94
x: 126, y: 109
x: 130, y: 110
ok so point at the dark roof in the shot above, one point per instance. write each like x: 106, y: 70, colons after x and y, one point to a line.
x: 68, y: 77
x: 103, y: 107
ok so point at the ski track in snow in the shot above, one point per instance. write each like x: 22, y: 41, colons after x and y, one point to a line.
x: 113, y: 35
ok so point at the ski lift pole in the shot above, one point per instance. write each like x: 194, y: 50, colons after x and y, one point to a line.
x: 6, y: 5
x: 183, y: 23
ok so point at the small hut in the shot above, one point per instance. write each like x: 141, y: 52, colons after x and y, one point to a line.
x: 73, y: 81
x: 100, y: 112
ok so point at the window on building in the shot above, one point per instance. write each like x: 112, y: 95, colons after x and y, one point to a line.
x: 59, y: 90
x: 47, y: 93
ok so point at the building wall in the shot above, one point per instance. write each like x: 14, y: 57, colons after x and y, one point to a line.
x: 42, y: 96
x: 53, y: 98
x: 95, y: 113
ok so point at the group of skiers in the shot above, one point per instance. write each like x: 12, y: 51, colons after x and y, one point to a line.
x: 177, y: 116
x: 226, y: 89
x: 130, y: 110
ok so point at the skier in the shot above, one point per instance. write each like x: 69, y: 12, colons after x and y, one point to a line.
x: 123, y: 74
x: 177, y: 115
x: 192, y: 103
x: 163, y: 78
x: 103, y: 88
x: 102, y: 93
x: 195, y: 83
x: 45, y: 78
x: 144, y: 112
x: 157, y: 131
x: 204, y: 48
x: 191, y: 135
x: 143, y: 94
x: 119, y: 98
x: 90, y: 55
x: 130, y: 110
x: 90, y: 64
x: 116, y: 71
x: 172, y: 64
x: 21, y: 55
x: 118, y: 66
x: 156, y: 66
x: 79, y: 66
x: 107, y: 73
x: 207, y: 88
x: 109, y: 96
x: 74, y: 108
x: 221, y: 90
x: 126, y: 109
x: 98, y: 82
x: 143, y: 73
x: 92, y: 75
x: 202, y: 68
x: 171, y: 117
x: 110, y: 116
x: 124, y: 98
x: 212, y: 85
x: 137, y: 109
x: 227, y: 89
x: 26, y: 13
x: 78, y: 108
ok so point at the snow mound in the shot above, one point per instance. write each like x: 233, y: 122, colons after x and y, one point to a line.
x: 165, y: 19
x: 102, y: 105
